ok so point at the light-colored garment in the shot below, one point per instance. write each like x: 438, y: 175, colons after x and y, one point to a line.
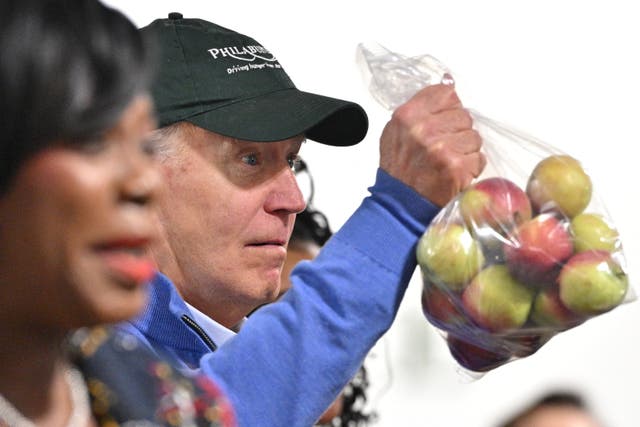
x: 218, y: 333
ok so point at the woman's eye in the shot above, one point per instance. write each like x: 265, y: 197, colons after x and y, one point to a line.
x: 250, y: 159
x: 93, y: 145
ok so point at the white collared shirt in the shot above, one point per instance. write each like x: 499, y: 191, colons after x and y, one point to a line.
x: 218, y: 333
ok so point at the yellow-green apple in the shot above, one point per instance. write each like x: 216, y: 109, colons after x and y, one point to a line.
x: 537, y: 249
x: 449, y: 255
x: 592, y: 282
x: 496, y: 301
x: 494, y: 202
x: 548, y: 310
x: 559, y: 183
x: 442, y: 307
x: 592, y: 232
x: 474, y: 357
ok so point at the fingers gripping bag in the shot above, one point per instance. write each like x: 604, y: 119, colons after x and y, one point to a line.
x: 525, y: 252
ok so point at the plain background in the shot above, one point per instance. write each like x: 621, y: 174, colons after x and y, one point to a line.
x: 566, y: 72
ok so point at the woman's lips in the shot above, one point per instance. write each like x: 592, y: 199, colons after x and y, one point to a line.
x: 129, y: 267
x: 127, y: 259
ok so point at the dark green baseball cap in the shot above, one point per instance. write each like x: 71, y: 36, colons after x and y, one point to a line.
x: 228, y: 83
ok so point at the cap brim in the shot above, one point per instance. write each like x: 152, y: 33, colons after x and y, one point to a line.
x: 281, y: 115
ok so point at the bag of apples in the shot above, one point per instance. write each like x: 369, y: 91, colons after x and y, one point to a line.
x: 527, y: 251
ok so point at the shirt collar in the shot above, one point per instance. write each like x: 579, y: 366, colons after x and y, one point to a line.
x: 218, y: 333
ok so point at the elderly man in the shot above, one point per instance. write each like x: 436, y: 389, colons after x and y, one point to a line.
x: 232, y: 123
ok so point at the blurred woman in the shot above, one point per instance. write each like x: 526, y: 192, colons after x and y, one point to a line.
x: 77, y: 190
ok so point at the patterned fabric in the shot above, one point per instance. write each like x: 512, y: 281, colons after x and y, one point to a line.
x: 130, y: 386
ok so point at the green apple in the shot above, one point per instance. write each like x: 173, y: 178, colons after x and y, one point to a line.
x: 592, y: 232
x: 559, y: 183
x: 449, y: 255
x: 592, y: 282
x: 496, y: 301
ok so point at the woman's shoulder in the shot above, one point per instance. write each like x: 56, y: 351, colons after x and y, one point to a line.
x: 128, y: 383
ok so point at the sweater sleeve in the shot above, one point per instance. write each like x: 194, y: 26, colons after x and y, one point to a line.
x: 293, y: 357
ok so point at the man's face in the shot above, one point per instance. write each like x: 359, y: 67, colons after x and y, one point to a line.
x: 228, y: 213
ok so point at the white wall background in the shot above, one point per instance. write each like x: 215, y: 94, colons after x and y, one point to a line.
x: 567, y: 72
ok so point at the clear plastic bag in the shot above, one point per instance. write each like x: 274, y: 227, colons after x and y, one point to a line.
x: 524, y: 253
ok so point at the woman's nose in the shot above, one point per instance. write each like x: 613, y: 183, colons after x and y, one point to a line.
x: 141, y: 180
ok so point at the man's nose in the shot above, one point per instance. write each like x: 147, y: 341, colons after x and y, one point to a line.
x: 286, y: 194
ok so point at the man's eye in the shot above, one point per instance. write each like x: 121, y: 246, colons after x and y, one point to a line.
x: 250, y: 159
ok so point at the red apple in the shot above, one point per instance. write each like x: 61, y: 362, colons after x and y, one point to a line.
x: 537, y: 249
x: 558, y: 183
x: 522, y: 343
x: 448, y: 255
x: 441, y: 308
x: 496, y: 301
x: 592, y: 282
x: 548, y: 310
x: 474, y: 357
x: 494, y: 202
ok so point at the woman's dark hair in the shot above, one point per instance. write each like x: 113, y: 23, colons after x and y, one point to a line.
x: 67, y: 71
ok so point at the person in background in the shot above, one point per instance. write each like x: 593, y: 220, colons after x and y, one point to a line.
x: 232, y: 124
x: 555, y: 409
x: 78, y: 186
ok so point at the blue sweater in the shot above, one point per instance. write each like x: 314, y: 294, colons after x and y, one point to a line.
x: 293, y: 357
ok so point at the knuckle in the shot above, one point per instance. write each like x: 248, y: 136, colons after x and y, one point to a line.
x: 466, y: 118
x: 462, y: 118
x: 403, y: 114
x: 435, y: 151
x: 450, y: 94
x: 475, y: 138
x: 455, y: 165
x: 482, y: 163
x: 448, y: 165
